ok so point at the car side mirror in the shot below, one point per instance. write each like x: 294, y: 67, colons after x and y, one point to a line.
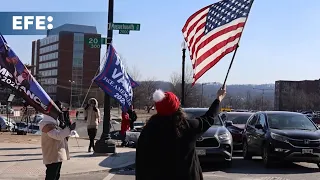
x: 258, y: 126
x: 229, y: 123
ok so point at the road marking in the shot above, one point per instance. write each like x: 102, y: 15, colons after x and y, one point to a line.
x: 109, y: 177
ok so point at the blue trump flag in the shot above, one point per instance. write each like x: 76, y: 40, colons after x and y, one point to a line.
x: 133, y: 83
x: 14, y: 75
x: 115, y: 81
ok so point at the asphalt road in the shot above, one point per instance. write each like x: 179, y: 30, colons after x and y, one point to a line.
x: 82, y: 129
x: 241, y: 170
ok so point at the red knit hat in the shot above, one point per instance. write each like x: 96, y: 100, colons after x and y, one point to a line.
x: 166, y: 103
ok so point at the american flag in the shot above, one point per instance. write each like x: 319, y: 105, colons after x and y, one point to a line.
x: 214, y: 31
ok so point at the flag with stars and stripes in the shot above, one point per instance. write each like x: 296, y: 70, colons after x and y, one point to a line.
x: 214, y: 31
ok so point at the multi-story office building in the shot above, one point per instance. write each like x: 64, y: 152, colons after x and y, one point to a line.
x: 297, y: 95
x: 65, y: 64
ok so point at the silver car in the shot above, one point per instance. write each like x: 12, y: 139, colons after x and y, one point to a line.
x: 216, y: 143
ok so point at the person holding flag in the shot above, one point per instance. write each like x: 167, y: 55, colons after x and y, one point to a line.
x: 54, y: 144
x: 169, y: 137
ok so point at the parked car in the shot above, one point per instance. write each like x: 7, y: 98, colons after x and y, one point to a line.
x: 309, y: 114
x: 235, y: 123
x: 21, y: 128
x: 281, y: 136
x: 81, y: 114
x: 25, y: 128
x: 138, y: 125
x: 36, y: 118
x: 216, y: 143
x: 6, y: 125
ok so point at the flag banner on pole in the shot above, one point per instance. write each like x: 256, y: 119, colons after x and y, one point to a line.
x: 114, y: 79
x: 133, y: 83
x: 14, y: 75
x: 213, y: 32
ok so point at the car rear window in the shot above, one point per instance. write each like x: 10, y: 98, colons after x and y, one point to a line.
x: 191, y: 114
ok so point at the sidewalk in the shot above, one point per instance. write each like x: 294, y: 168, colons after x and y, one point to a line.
x: 25, y: 159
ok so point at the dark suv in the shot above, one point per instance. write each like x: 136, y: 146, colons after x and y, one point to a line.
x: 281, y: 136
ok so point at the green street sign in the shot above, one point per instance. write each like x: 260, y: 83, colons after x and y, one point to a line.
x: 122, y: 31
x: 124, y: 26
x: 103, y: 40
x: 94, y: 42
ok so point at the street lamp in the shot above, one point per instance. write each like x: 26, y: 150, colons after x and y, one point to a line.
x: 183, y: 47
x: 202, y: 84
x: 262, y: 98
x: 71, y: 82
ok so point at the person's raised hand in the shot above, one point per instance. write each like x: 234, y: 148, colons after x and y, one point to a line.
x: 221, y: 93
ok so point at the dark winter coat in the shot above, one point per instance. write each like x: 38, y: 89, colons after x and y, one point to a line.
x: 132, y: 115
x: 161, y: 155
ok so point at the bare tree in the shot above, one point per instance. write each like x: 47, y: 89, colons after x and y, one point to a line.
x: 134, y: 73
x: 192, y: 93
x: 143, y: 93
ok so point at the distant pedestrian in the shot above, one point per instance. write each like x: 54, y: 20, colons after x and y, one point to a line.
x: 166, y: 145
x: 92, y: 116
x: 125, y: 126
x: 54, y: 145
x: 132, y: 116
x: 77, y: 114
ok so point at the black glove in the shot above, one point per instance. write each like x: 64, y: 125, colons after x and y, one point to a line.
x: 72, y: 126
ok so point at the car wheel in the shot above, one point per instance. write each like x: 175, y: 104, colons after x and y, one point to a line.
x: 267, y: 161
x: 245, y: 151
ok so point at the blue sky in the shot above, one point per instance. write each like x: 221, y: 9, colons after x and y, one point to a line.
x: 280, y: 40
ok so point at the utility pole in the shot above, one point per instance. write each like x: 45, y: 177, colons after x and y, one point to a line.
x: 262, y: 98
x: 70, y: 104
x: 202, y: 84
x: 183, y: 46
x: 105, y: 144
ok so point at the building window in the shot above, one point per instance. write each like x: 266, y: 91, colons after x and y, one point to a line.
x: 52, y: 72
x: 78, y: 47
x: 77, y: 62
x: 50, y: 89
x: 50, y: 48
x: 46, y: 65
x: 78, y: 38
x: 35, y: 55
x: 49, y: 40
x: 48, y: 57
x: 49, y: 81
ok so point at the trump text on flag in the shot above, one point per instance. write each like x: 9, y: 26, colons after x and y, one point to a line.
x: 115, y: 81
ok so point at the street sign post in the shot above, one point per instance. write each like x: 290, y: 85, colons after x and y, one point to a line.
x: 103, y: 40
x: 124, y: 26
x: 124, y: 31
x: 94, y: 42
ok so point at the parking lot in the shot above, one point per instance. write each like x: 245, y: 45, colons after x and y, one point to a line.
x: 245, y: 170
